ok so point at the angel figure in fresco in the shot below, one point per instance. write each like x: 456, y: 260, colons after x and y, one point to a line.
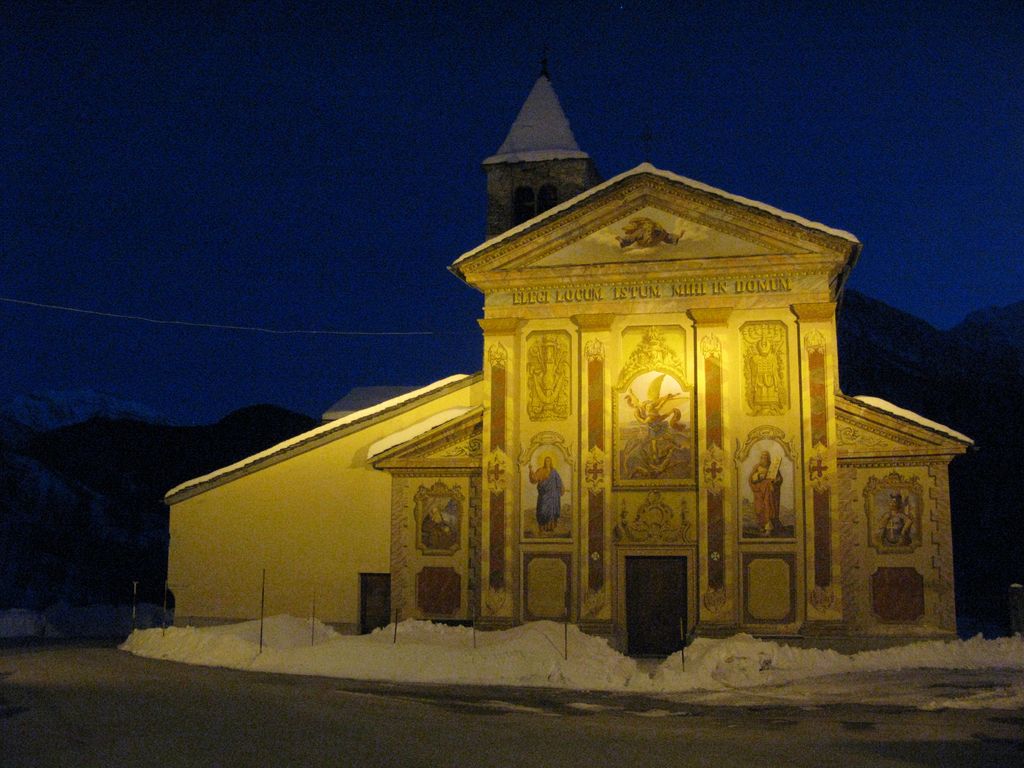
x: 644, y: 233
x: 898, y: 521
x: 656, y: 450
x: 766, y: 483
x: 549, y: 494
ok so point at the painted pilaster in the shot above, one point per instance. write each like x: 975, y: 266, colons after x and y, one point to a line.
x: 822, y: 524
x: 595, y: 609
x: 716, y: 518
x: 498, y: 551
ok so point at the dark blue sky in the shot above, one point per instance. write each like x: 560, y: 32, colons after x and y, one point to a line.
x: 305, y: 166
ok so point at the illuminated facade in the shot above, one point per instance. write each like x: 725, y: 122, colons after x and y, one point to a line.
x: 656, y: 445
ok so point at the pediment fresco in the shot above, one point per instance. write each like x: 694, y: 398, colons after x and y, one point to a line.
x: 649, y: 222
x: 651, y: 235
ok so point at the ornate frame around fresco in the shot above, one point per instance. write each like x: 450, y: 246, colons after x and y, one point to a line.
x: 743, y: 453
x: 653, y: 355
x: 425, y: 501
x: 549, y: 440
x: 910, y: 492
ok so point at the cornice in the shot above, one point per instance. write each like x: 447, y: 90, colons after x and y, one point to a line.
x: 494, y: 326
x: 708, y: 317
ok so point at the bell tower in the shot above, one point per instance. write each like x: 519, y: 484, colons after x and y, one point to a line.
x: 539, y: 165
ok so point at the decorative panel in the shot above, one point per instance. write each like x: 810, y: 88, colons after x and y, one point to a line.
x: 546, y: 586
x: 438, y: 591
x: 770, y: 589
x: 654, y: 517
x: 897, y: 594
x: 547, y: 375
x: 765, y: 368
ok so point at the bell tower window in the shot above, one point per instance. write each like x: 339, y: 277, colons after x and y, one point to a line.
x: 524, y: 205
x: 547, y: 198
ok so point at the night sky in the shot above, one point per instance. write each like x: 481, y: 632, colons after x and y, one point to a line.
x: 295, y: 166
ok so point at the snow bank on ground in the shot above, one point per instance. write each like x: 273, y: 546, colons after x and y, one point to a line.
x: 744, y: 661
x: 62, y: 620
x: 531, y: 655
x: 552, y: 655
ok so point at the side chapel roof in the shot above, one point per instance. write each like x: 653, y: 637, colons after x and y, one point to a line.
x: 332, y: 430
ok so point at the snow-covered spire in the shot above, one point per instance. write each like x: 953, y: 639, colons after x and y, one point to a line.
x: 541, y: 131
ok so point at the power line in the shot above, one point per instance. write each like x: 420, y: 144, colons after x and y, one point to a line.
x: 187, y: 323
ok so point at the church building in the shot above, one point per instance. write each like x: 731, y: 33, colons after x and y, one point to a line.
x: 656, y: 446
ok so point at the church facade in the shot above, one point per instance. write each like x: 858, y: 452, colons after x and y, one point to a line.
x: 656, y: 446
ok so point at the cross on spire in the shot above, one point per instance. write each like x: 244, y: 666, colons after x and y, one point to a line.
x: 646, y: 140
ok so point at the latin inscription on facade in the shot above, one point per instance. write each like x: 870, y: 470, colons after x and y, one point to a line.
x: 574, y: 294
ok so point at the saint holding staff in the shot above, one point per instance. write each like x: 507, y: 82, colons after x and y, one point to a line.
x: 549, y: 494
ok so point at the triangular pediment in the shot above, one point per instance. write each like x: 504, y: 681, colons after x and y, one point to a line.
x: 867, y: 432
x: 452, y: 444
x: 650, y: 221
x: 653, y: 233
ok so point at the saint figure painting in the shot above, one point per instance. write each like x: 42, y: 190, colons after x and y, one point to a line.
x: 549, y: 495
x: 767, y: 499
x: 546, y: 507
x: 766, y: 483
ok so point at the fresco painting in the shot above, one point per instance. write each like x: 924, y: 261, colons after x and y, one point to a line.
x: 546, y: 495
x: 654, y: 429
x: 767, y: 499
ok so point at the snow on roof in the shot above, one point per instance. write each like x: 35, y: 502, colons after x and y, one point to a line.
x: 903, y: 413
x: 669, y: 176
x: 314, y: 433
x: 540, y: 132
x: 358, y: 398
x: 415, y: 430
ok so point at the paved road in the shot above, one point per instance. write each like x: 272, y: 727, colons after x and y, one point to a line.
x: 95, y: 706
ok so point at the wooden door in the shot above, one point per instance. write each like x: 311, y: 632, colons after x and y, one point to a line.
x: 655, y: 605
x: 374, y: 601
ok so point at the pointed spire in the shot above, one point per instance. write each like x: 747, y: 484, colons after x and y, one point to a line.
x: 541, y: 130
x: 544, y: 63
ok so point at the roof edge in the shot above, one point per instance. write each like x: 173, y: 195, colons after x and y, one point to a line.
x: 317, y: 436
x: 878, y: 405
x: 535, y: 156
x: 650, y: 170
x: 386, y: 456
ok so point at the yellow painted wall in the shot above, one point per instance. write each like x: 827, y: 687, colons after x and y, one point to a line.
x: 314, y: 521
x: 928, y: 551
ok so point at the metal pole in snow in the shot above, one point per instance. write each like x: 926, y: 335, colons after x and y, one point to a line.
x: 394, y: 640
x: 263, y: 597
x: 682, y: 643
x: 135, y: 592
